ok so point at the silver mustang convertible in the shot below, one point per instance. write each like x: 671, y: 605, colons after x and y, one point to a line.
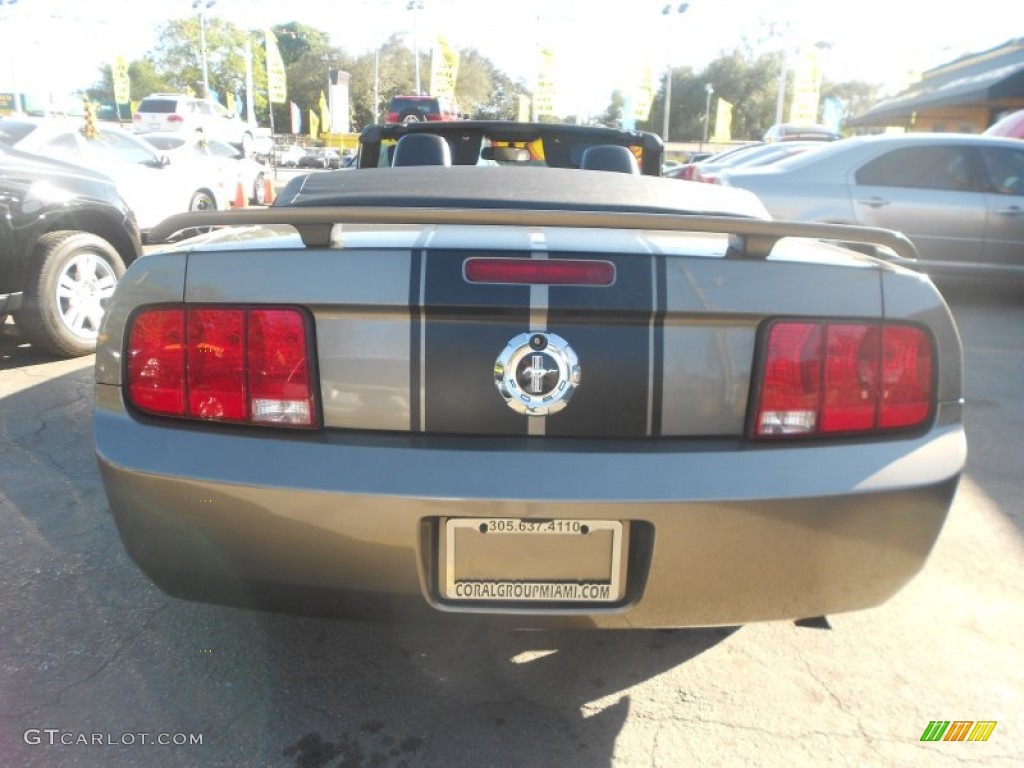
x: 552, y: 395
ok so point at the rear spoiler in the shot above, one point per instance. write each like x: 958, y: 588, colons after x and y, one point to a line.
x: 748, y: 238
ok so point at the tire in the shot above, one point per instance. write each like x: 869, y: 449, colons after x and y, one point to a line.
x: 259, y: 192
x: 70, y: 282
x: 202, y: 201
x: 409, y: 117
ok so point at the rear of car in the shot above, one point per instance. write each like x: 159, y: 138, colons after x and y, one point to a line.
x: 412, y: 109
x: 165, y: 112
x: 568, y: 417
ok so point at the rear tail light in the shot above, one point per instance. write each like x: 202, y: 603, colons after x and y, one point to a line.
x: 540, y: 271
x: 235, y: 365
x: 824, y: 378
x: 175, y: 119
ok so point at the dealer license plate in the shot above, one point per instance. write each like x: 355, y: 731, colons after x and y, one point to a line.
x: 533, y: 561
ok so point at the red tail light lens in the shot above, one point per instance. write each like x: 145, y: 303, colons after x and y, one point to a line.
x: 156, y: 362
x: 175, y: 119
x: 823, y: 378
x: 236, y: 365
x: 540, y: 271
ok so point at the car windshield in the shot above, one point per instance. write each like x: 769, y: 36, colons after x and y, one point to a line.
x: 119, y: 147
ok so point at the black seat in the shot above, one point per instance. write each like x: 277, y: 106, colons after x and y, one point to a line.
x: 610, y: 157
x: 422, y: 149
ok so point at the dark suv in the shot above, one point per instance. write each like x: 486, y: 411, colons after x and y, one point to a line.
x: 417, y: 109
x: 66, y: 237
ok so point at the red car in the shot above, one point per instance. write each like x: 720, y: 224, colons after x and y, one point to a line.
x: 417, y: 109
x: 1011, y: 126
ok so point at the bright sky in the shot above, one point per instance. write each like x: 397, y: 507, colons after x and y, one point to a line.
x: 58, y: 45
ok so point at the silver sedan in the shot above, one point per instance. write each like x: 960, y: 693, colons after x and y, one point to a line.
x: 958, y: 197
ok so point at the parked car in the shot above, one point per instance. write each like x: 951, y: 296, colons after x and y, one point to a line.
x: 230, y: 164
x: 751, y: 156
x: 958, y: 197
x: 152, y: 188
x: 798, y: 132
x: 66, y: 237
x: 686, y: 171
x: 180, y: 112
x: 289, y: 157
x: 414, y: 109
x: 572, y: 394
x: 316, y: 157
x: 1010, y: 126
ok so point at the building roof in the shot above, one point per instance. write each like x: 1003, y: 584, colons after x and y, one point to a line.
x: 979, y: 79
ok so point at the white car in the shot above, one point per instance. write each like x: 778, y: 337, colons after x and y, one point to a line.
x: 153, y: 188
x: 229, y: 163
x: 289, y: 156
x: 182, y: 113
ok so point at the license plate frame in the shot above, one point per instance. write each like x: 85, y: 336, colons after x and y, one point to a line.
x: 539, y: 555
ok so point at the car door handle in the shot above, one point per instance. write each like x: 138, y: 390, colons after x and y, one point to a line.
x: 1013, y: 210
x: 874, y: 202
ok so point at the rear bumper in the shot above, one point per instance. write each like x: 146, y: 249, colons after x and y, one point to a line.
x: 718, y: 535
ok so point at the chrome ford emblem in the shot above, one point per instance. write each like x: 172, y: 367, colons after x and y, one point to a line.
x: 537, y: 373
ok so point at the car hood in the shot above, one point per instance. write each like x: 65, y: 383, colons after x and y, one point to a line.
x: 48, y: 166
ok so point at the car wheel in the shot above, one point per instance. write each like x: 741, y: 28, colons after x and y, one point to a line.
x: 71, y: 280
x: 409, y: 117
x: 259, y: 192
x: 202, y: 201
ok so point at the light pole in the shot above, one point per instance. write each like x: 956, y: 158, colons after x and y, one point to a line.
x: 668, y: 10
x: 330, y: 94
x: 708, y: 89
x: 415, y: 5
x: 202, y: 6
x: 16, y: 106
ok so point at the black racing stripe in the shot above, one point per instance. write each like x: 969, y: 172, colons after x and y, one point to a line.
x: 658, y: 366
x: 415, y: 331
x: 467, y: 327
x: 609, y: 328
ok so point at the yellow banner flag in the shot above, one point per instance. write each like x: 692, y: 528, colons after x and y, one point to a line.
x: 276, y: 79
x: 119, y: 73
x: 314, y: 125
x: 325, y: 114
x: 444, y: 69
x: 723, y: 122
x: 544, y: 95
x: 803, y: 109
x: 644, y: 95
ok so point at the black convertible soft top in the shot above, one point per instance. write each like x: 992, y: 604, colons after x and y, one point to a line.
x: 481, y: 187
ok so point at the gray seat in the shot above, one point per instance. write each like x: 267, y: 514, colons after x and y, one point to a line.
x: 422, y: 149
x: 610, y: 157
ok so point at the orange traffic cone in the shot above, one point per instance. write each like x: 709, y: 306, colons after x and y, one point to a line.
x: 241, y: 199
x: 268, y: 191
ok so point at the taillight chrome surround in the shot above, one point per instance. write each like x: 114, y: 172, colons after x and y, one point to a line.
x: 225, y: 363
x: 823, y: 378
